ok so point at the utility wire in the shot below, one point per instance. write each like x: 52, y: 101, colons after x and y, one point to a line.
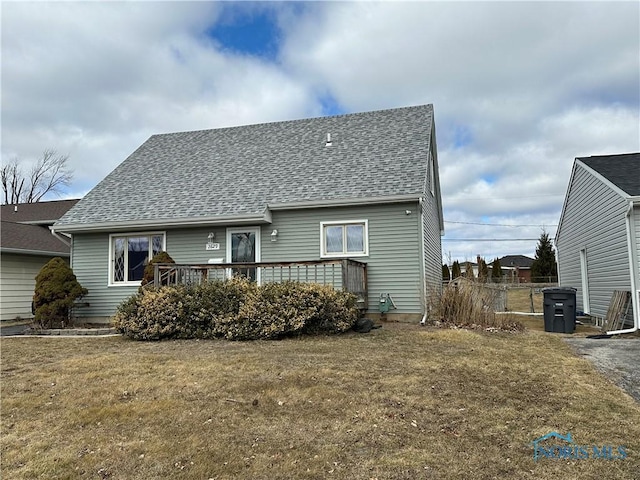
x: 501, y: 224
x: 490, y: 239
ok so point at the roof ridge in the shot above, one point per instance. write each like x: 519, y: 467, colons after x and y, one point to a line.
x: 609, y: 155
x: 305, y: 119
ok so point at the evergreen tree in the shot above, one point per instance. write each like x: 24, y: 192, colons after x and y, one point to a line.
x: 468, y: 271
x: 456, y: 271
x: 496, y: 271
x: 544, y: 265
x: 445, y: 272
x: 483, y: 270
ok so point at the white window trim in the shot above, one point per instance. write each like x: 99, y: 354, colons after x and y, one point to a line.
x: 324, y: 254
x: 111, y: 260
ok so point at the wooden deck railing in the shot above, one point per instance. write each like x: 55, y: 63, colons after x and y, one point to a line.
x: 342, y: 274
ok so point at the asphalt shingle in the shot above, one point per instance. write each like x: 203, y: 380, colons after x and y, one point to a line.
x: 25, y: 226
x: 38, y: 212
x: 30, y: 239
x: 622, y: 170
x: 241, y: 170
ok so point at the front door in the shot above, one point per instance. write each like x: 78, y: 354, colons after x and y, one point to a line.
x: 243, y: 246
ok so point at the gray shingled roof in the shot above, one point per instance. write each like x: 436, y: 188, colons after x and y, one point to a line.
x: 622, y: 170
x: 37, y: 213
x: 241, y: 170
x: 31, y: 239
x: 25, y: 228
x: 516, y: 261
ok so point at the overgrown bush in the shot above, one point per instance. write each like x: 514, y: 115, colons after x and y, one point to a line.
x: 236, y: 309
x: 57, y: 288
x: 466, y: 304
x: 148, y: 274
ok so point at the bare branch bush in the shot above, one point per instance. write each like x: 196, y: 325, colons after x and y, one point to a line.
x: 467, y: 304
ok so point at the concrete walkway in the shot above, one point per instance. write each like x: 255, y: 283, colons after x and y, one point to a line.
x: 26, y: 330
x: 618, y: 358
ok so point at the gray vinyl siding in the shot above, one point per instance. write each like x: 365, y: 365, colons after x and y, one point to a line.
x: 393, y: 263
x: 431, y: 238
x: 17, y: 284
x: 90, y: 263
x: 594, y: 219
x: 90, y: 260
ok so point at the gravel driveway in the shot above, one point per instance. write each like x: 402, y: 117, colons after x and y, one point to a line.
x: 617, y: 358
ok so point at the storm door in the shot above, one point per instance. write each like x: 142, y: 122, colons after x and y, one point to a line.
x: 243, y: 246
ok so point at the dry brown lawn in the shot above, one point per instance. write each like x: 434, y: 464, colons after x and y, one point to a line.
x: 519, y: 299
x: 402, y: 402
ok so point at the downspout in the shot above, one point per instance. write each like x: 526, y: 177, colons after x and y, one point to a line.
x: 633, y: 270
x: 422, y: 261
x: 66, y: 240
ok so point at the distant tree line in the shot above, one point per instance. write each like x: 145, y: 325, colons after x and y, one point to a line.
x: 543, y: 269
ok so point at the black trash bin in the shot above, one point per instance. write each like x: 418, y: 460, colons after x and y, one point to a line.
x: 559, y: 309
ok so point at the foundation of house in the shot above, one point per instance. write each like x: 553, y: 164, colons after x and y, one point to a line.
x: 395, y: 317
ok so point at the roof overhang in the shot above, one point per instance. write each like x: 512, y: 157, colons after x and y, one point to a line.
x: 129, y: 225
x: 42, y: 253
x: 345, y: 202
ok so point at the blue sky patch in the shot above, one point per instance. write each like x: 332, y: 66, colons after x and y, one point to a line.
x: 330, y: 105
x: 249, y: 29
x: 462, y: 136
x: 489, y: 179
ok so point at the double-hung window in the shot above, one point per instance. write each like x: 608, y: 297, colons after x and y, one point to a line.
x: 130, y: 253
x: 344, y: 239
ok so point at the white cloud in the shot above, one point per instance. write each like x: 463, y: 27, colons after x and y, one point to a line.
x: 519, y: 88
x: 95, y: 80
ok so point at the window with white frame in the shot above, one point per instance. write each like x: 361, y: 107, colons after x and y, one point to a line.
x: 340, y: 239
x: 130, y: 253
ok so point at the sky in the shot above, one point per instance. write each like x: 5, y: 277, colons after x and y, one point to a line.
x: 519, y: 89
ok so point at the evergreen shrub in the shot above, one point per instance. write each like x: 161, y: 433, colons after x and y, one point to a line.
x: 57, y: 288
x: 148, y: 274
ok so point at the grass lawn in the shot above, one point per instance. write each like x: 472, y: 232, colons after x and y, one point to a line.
x: 402, y: 402
x: 519, y: 299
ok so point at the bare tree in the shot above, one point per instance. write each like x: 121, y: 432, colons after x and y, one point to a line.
x: 48, y: 175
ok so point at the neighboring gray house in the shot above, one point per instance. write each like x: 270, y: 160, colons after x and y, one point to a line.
x: 26, y: 245
x: 362, y: 186
x: 598, y: 239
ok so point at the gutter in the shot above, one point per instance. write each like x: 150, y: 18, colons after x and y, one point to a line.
x: 43, y: 253
x: 345, y: 202
x: 114, y: 227
x: 633, y: 267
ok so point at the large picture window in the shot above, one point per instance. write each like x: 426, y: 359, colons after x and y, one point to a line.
x: 342, y: 239
x: 130, y: 253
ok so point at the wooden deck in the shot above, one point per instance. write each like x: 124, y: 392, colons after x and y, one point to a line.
x: 341, y: 274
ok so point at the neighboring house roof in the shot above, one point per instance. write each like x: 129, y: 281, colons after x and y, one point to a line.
x: 621, y: 170
x: 25, y: 228
x: 31, y: 239
x: 36, y: 213
x: 241, y: 173
x: 520, y: 261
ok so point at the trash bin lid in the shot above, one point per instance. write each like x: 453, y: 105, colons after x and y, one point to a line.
x: 559, y: 290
